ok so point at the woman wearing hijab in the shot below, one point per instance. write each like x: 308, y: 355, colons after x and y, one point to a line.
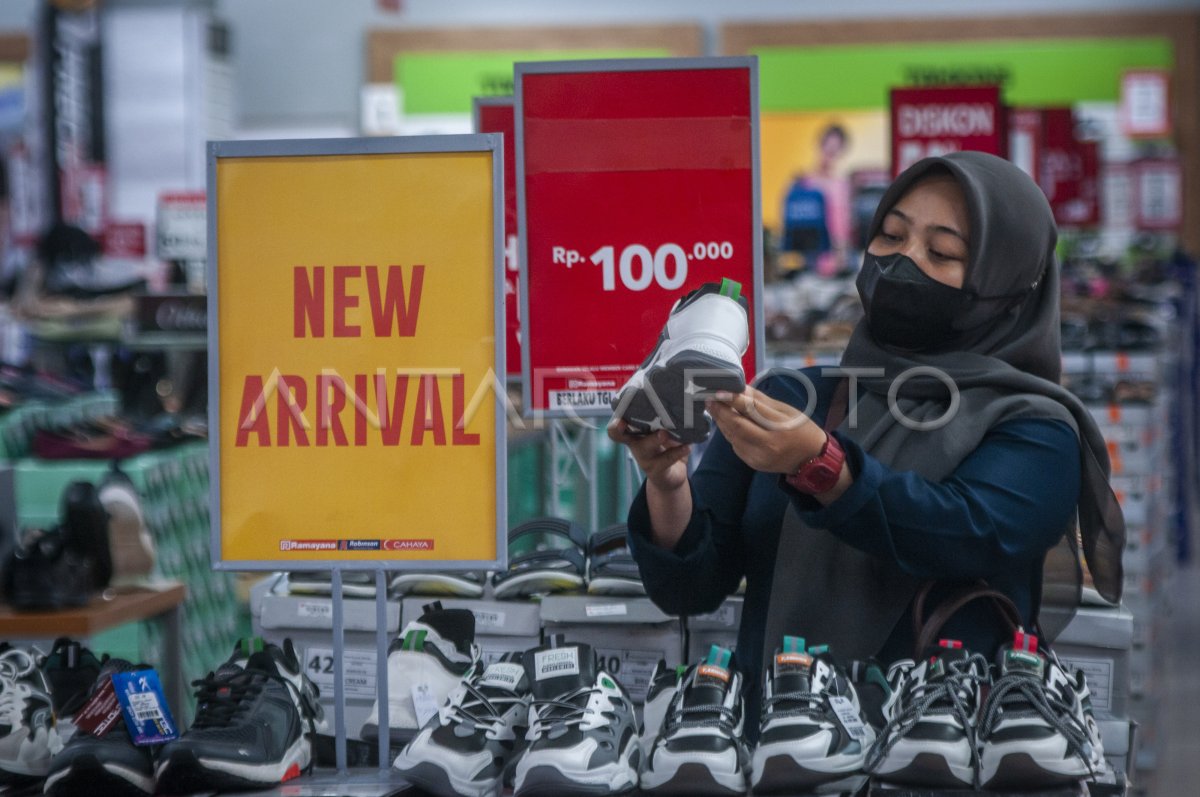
x: 974, y: 466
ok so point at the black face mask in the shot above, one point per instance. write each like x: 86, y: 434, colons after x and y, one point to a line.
x: 906, y: 308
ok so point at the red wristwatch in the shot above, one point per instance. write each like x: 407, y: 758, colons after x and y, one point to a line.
x: 821, y: 473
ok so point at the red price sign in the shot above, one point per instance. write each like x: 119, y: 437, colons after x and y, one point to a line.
x: 1069, y: 170
x: 934, y: 121
x: 495, y: 115
x: 637, y: 182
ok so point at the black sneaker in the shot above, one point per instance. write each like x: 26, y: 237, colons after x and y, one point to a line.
x: 72, y: 670
x: 700, y: 748
x: 1037, y: 729
x: 478, y: 732
x: 813, y: 730
x: 582, y: 736
x: 250, y: 732
x: 289, y: 667
x: 42, y: 574
x: 28, y: 736
x: 699, y: 352
x: 929, y: 738
x: 85, y: 530
x: 109, y: 764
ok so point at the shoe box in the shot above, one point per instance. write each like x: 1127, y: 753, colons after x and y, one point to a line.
x: 308, y: 621
x: 1119, y: 737
x: 719, y: 627
x: 500, y: 626
x: 1099, y: 642
x: 632, y: 634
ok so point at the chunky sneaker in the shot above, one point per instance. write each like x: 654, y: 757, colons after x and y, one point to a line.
x: 1037, y: 729
x: 108, y: 763
x: 28, y: 736
x: 252, y: 730
x: 813, y: 730
x: 664, y: 683
x: 700, y: 748
x: 478, y: 732
x: 288, y: 665
x: 929, y: 738
x: 582, y: 728
x: 428, y: 660
x: 699, y: 352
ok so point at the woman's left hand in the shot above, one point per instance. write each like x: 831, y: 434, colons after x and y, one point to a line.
x: 768, y: 435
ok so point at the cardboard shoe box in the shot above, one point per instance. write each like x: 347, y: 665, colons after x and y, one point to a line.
x: 631, y: 634
x: 1098, y: 641
x: 308, y: 621
x: 715, y: 628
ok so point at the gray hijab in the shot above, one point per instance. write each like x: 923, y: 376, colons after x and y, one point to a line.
x: 1006, y: 367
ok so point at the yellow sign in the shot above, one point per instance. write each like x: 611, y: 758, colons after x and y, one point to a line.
x: 355, y: 329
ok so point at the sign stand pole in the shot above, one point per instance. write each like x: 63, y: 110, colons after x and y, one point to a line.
x: 572, y: 446
x: 339, y: 688
x: 381, y: 670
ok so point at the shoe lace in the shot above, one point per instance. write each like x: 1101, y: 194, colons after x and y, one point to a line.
x: 554, y: 716
x: 1029, y: 691
x: 799, y: 703
x: 701, y: 715
x: 221, y: 698
x: 495, y: 707
x: 945, y: 696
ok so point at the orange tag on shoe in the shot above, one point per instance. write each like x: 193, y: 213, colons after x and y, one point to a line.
x: 713, y: 671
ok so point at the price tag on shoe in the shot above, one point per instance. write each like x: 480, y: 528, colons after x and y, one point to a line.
x: 425, y: 705
x: 147, y: 717
x: 848, y: 717
x: 99, y: 713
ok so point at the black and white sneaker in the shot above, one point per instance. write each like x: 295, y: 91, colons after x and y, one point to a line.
x: 813, y: 730
x: 289, y: 667
x: 108, y: 763
x: 71, y: 670
x: 929, y: 738
x: 28, y: 736
x: 582, y: 728
x: 700, y: 748
x: 252, y: 730
x: 428, y: 660
x: 1037, y: 729
x: 699, y: 352
x: 478, y: 731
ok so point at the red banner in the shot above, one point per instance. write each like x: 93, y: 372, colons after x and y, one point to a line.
x: 1069, y: 170
x: 638, y: 184
x: 935, y: 121
x: 495, y: 115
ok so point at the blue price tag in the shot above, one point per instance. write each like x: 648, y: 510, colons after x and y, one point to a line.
x: 147, y: 717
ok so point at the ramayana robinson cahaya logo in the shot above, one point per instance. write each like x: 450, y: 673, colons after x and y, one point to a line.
x: 356, y: 545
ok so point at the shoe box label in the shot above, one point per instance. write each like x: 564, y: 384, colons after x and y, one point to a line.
x: 147, y: 716
x: 503, y: 674
x: 848, y: 716
x: 555, y: 662
x: 100, y: 711
x: 358, y: 671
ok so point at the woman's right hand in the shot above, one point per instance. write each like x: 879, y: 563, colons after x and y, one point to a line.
x: 663, y: 460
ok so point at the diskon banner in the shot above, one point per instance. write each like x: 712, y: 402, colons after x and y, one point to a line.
x: 356, y: 325
x: 637, y: 181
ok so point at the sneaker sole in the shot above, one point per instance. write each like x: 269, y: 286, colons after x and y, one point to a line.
x: 436, y: 780
x: 693, y: 779
x: 1022, y: 771
x: 782, y: 774
x: 707, y: 373
x: 184, y: 773
x: 86, y: 777
x: 926, y: 769
x: 546, y: 781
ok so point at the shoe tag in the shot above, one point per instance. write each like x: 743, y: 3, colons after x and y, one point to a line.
x: 147, y: 717
x: 503, y: 674
x: 100, y: 712
x: 425, y: 705
x: 555, y: 662
x: 848, y: 717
